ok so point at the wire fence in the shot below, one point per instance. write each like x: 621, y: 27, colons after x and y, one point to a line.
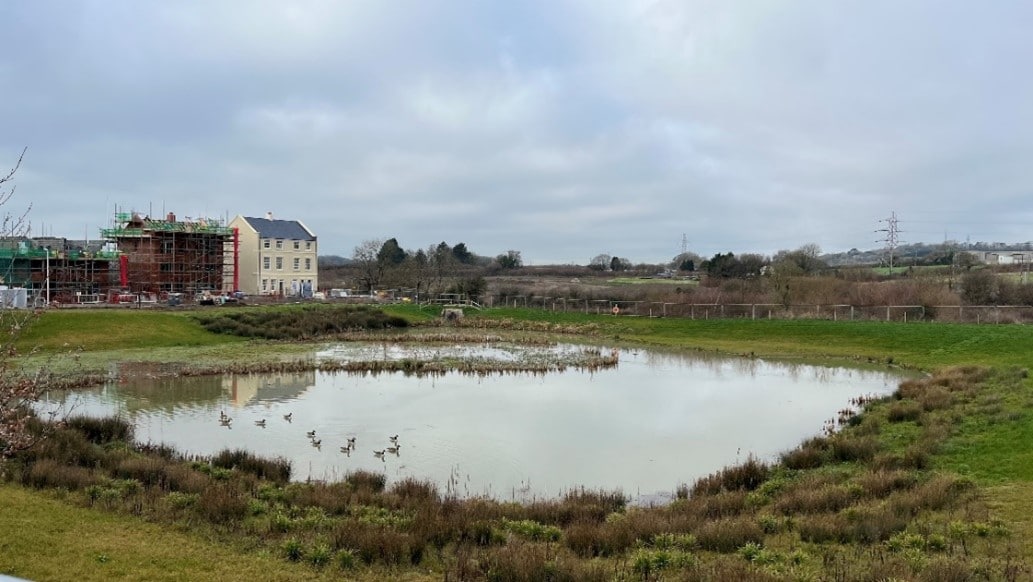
x: 992, y: 314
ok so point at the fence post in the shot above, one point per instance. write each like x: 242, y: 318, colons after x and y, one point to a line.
x: 887, y: 313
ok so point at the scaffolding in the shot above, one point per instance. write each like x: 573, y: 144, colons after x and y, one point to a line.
x: 55, y: 269
x: 172, y: 256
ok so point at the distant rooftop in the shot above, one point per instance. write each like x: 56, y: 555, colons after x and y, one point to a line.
x: 285, y: 229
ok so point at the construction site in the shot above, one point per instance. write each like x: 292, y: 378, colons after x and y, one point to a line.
x: 163, y: 256
x: 139, y: 260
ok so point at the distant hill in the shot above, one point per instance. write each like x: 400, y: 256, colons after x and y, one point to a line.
x: 327, y: 261
x: 915, y: 252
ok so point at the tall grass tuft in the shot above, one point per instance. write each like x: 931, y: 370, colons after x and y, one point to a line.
x: 746, y: 476
x: 728, y: 535
x: 102, y: 430
x: 50, y: 473
x: 811, y: 454
x: 367, y: 480
x: 223, y: 503
x: 277, y: 470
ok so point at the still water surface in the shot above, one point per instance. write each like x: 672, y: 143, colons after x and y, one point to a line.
x: 652, y: 423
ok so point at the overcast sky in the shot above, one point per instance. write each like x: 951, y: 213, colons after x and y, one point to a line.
x: 562, y: 129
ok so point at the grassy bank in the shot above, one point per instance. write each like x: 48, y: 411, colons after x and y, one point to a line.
x: 932, y: 484
x: 927, y: 346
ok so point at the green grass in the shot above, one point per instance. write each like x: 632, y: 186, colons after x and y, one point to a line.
x: 918, y: 345
x: 926, y: 346
x: 44, y: 538
x: 116, y: 329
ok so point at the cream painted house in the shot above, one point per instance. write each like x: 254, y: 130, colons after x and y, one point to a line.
x: 276, y: 257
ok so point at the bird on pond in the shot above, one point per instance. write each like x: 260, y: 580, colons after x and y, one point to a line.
x: 317, y: 442
x: 351, y: 441
x: 379, y: 454
x: 393, y: 450
x: 311, y: 434
x: 346, y: 450
x: 288, y: 416
x: 260, y: 423
x: 393, y: 439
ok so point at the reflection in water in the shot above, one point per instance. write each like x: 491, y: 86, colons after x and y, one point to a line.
x: 658, y: 420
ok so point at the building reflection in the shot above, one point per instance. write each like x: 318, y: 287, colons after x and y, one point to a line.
x: 267, y: 388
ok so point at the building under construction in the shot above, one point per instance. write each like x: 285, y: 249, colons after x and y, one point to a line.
x: 54, y: 269
x: 171, y: 256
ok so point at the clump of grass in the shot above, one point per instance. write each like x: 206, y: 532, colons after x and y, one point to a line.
x: 223, y: 503
x: 276, y: 470
x: 811, y: 454
x: 730, y: 534
x: 745, y: 476
x: 414, y: 490
x: 528, y: 561
x: 366, y: 480
x: 375, y: 543
x: 881, y: 482
x: 848, y: 448
x: 904, y: 411
x: 102, y: 430
x: 51, y: 473
x: 804, y: 499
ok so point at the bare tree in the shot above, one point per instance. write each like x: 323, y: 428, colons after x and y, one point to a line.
x: 19, y: 390
x: 371, y: 268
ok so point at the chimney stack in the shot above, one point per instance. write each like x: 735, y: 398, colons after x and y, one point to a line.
x: 268, y: 215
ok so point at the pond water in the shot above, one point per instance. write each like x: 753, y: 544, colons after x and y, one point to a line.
x: 655, y: 421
